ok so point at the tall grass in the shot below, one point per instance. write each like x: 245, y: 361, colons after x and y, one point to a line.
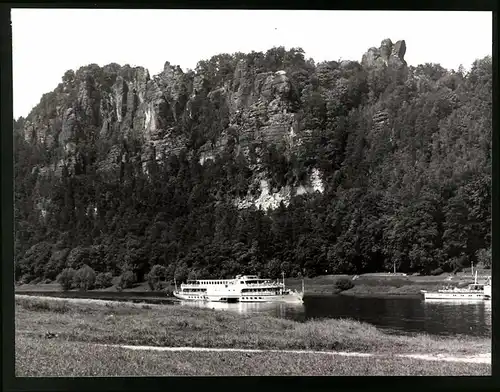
x: 184, y: 326
x: 44, y: 305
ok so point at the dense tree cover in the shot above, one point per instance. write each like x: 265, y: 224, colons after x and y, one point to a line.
x: 405, y: 157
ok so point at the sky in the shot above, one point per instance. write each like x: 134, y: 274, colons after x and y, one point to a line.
x: 48, y: 42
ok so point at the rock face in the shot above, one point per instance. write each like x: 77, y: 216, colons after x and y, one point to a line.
x: 105, y: 106
x: 259, y: 107
x: 387, y: 54
x: 114, y: 103
x: 268, y: 199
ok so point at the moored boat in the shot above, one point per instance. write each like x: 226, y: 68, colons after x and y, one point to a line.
x: 474, y: 291
x: 243, y: 288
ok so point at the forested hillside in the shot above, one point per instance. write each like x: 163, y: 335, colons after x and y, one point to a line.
x: 257, y: 163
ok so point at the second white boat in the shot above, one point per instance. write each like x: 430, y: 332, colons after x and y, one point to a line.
x: 475, y: 291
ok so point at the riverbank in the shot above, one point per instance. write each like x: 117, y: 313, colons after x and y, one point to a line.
x: 374, y: 285
x: 53, y: 325
x: 54, y: 287
x: 382, y: 285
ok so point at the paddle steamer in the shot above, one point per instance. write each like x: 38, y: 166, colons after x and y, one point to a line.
x: 243, y: 288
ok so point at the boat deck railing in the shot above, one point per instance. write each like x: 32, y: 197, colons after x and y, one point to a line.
x: 270, y: 284
x: 194, y: 285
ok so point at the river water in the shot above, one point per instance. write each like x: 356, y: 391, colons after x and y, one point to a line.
x: 400, y: 315
x: 395, y: 315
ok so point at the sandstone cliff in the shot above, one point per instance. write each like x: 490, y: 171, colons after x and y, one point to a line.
x: 255, y: 106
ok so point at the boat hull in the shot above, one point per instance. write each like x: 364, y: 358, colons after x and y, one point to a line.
x: 287, y: 298
x: 456, y: 296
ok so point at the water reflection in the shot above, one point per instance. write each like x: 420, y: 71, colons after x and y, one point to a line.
x: 402, y: 315
x: 474, y: 315
x: 282, y: 310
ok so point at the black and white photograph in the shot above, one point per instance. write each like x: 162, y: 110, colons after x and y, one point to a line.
x: 222, y: 192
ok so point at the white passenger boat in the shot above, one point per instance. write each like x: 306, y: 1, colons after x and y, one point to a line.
x: 474, y: 291
x: 243, y: 288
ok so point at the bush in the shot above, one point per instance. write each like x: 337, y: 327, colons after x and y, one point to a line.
x: 157, y: 274
x: 85, y: 278
x: 66, y: 278
x: 104, y: 280
x: 55, y: 264
x: 37, y: 280
x: 35, y: 260
x: 126, y: 281
x: 25, y: 279
x: 437, y: 271
x: 169, y: 293
x: 344, y: 284
x: 457, y: 270
x: 484, y: 257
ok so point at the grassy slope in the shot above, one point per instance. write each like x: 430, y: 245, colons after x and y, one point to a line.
x: 173, y: 325
x: 376, y: 284
x: 58, y: 358
x: 143, y: 286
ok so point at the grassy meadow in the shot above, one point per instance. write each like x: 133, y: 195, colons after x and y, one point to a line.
x: 75, y: 359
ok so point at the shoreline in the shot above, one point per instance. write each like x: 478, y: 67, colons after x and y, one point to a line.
x: 152, y: 298
x: 382, y: 295
x: 149, y: 295
x: 366, y: 285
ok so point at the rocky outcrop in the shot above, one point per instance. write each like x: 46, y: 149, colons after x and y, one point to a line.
x: 260, y: 109
x: 116, y: 103
x: 380, y: 120
x: 268, y: 111
x: 267, y: 198
x: 387, y: 54
x: 250, y: 110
